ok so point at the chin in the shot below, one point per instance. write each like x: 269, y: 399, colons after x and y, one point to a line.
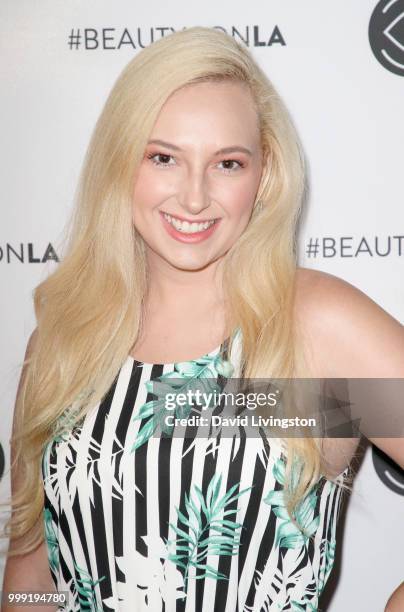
x: 190, y: 264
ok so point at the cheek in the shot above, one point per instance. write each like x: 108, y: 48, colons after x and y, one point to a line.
x: 142, y: 186
x: 146, y: 192
x: 241, y: 199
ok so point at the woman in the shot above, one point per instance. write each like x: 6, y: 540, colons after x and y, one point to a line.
x: 181, y: 262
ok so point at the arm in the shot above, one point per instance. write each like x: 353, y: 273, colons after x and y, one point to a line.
x: 31, y: 571
x: 353, y: 337
x: 28, y: 572
x: 396, y: 601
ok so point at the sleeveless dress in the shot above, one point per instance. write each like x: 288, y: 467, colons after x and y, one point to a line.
x: 136, y: 522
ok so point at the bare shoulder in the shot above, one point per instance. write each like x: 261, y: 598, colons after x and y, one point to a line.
x: 321, y: 307
x: 319, y: 292
x: 348, y: 333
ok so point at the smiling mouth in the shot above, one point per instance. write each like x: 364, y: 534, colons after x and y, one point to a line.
x: 186, y: 226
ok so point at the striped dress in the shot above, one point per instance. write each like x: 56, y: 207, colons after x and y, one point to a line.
x: 136, y: 521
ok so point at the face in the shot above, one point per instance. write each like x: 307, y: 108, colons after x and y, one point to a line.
x: 196, y: 186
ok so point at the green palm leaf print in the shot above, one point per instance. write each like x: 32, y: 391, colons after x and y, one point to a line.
x: 327, y: 558
x: 67, y: 422
x: 85, y: 589
x: 209, y: 531
x: 188, y: 376
x: 51, y: 540
x: 287, y: 534
x: 305, y: 605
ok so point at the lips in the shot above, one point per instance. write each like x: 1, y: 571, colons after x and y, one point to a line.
x: 189, y: 220
x: 188, y: 237
x: 188, y: 228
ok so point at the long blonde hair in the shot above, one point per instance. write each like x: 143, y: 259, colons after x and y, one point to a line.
x: 89, y: 311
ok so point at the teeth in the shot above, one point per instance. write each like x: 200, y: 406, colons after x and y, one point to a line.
x: 186, y: 227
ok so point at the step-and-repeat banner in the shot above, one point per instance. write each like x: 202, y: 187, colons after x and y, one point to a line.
x: 340, y: 69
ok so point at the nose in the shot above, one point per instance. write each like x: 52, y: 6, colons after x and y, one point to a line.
x: 194, y: 196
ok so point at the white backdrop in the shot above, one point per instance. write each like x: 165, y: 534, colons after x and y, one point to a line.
x: 339, y: 67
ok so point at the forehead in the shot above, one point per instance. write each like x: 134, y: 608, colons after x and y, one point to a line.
x: 207, y: 108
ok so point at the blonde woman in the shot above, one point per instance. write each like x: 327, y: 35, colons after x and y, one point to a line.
x: 181, y: 264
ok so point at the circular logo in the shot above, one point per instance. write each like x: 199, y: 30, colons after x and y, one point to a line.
x: 386, y: 34
x: 388, y: 471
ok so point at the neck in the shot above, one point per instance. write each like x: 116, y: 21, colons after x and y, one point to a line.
x: 183, y: 291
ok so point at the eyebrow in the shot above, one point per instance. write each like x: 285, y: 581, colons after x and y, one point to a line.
x: 174, y: 147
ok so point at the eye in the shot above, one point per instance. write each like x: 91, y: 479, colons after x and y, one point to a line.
x: 164, y: 157
x: 233, y: 168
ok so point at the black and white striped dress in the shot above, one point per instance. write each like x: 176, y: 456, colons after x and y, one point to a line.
x: 137, y: 522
